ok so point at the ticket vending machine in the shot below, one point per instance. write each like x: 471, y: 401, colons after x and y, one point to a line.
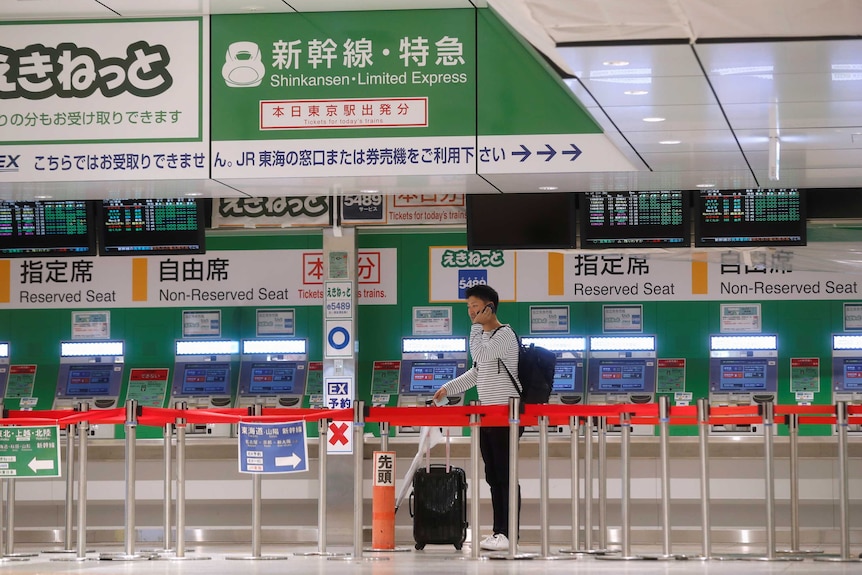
x: 426, y: 364
x: 622, y: 369
x: 569, y: 372
x: 202, y: 378
x: 743, y: 370
x: 91, y: 372
x: 847, y: 372
x: 273, y: 372
x: 4, y: 371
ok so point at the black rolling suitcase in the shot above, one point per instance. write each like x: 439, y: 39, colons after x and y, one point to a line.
x: 438, y: 505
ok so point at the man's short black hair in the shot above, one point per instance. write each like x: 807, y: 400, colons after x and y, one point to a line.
x: 485, y: 293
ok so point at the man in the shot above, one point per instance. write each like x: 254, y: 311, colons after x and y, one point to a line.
x: 494, y: 348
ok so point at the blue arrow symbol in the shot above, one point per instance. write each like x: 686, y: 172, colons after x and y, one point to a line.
x: 574, y: 152
x: 526, y: 153
x: 550, y: 153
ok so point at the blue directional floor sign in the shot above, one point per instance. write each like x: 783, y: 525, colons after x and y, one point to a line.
x: 272, y: 447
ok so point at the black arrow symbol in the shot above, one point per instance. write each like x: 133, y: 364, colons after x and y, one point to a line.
x: 574, y: 152
x: 525, y: 154
x: 550, y: 153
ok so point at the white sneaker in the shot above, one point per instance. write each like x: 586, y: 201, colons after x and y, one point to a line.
x: 495, y: 542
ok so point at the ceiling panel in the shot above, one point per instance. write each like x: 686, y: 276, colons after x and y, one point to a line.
x: 631, y: 118
x: 606, y: 62
x: 793, y: 115
x: 757, y: 88
x: 802, y: 139
x: 683, y: 141
x: 694, y: 162
x: 665, y: 91
x: 138, y: 8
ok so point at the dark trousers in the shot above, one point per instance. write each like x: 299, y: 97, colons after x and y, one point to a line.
x: 494, y: 445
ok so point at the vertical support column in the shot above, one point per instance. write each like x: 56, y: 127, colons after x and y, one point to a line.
x: 339, y: 264
x: 10, y: 524
x: 384, y: 436
x: 792, y: 420
x: 544, y: 485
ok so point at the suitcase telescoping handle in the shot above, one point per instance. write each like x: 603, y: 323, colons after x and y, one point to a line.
x: 428, y: 454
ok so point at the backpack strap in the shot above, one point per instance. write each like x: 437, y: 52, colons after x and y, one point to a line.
x: 517, y: 387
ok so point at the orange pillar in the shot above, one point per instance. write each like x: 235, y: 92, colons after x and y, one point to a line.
x: 383, y: 502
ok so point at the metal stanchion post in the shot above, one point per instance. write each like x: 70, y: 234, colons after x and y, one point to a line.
x: 793, y: 436
x: 256, y: 410
x: 168, y: 435
x: 83, y: 434
x: 603, y: 482
x: 664, y: 462
x: 575, y: 428
x: 475, y: 499
x: 514, y: 490
x: 384, y: 436
x: 703, y: 443
x: 843, y: 487
x: 130, y: 428
x: 180, y: 554
x: 769, y: 484
x: 10, y: 523
x: 69, y: 471
x: 625, y: 496
x: 592, y: 422
x: 322, y: 427
x: 545, y: 494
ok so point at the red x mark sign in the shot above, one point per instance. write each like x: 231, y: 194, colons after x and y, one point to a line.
x: 337, y: 430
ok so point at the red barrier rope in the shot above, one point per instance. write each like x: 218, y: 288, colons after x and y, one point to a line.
x: 452, y: 416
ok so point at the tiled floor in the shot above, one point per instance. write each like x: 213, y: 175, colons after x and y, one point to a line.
x: 433, y: 560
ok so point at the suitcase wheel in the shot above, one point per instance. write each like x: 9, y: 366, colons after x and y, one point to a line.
x: 419, y: 546
x: 458, y: 546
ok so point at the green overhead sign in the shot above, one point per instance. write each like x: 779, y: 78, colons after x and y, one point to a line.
x: 27, y: 452
x: 391, y: 93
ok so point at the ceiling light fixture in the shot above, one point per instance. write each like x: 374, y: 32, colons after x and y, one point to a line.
x: 636, y: 92
x: 193, y: 194
x: 669, y: 142
x: 705, y: 185
x: 369, y: 191
x: 653, y: 119
x: 615, y: 63
x: 42, y: 197
x: 548, y: 188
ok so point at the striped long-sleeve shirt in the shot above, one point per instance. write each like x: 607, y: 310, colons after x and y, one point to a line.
x: 490, y: 351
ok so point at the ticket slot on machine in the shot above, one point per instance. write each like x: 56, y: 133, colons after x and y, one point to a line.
x: 622, y: 369
x: 273, y: 372
x: 569, y: 371
x: 743, y: 370
x: 91, y: 372
x: 202, y: 379
x: 427, y: 364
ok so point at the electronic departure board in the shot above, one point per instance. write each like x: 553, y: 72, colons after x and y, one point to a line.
x: 47, y: 228
x: 156, y: 226
x: 650, y: 219
x: 772, y: 217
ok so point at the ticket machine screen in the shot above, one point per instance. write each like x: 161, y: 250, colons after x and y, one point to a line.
x: 742, y: 375
x: 206, y: 379
x: 271, y: 377
x: 568, y: 377
x: 620, y: 376
x: 852, y: 371
x: 426, y: 377
x: 89, y: 380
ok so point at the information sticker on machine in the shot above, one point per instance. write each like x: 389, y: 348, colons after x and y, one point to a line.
x: 272, y: 447
x: 338, y: 300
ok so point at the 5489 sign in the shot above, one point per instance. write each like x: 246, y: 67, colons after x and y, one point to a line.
x: 469, y: 278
